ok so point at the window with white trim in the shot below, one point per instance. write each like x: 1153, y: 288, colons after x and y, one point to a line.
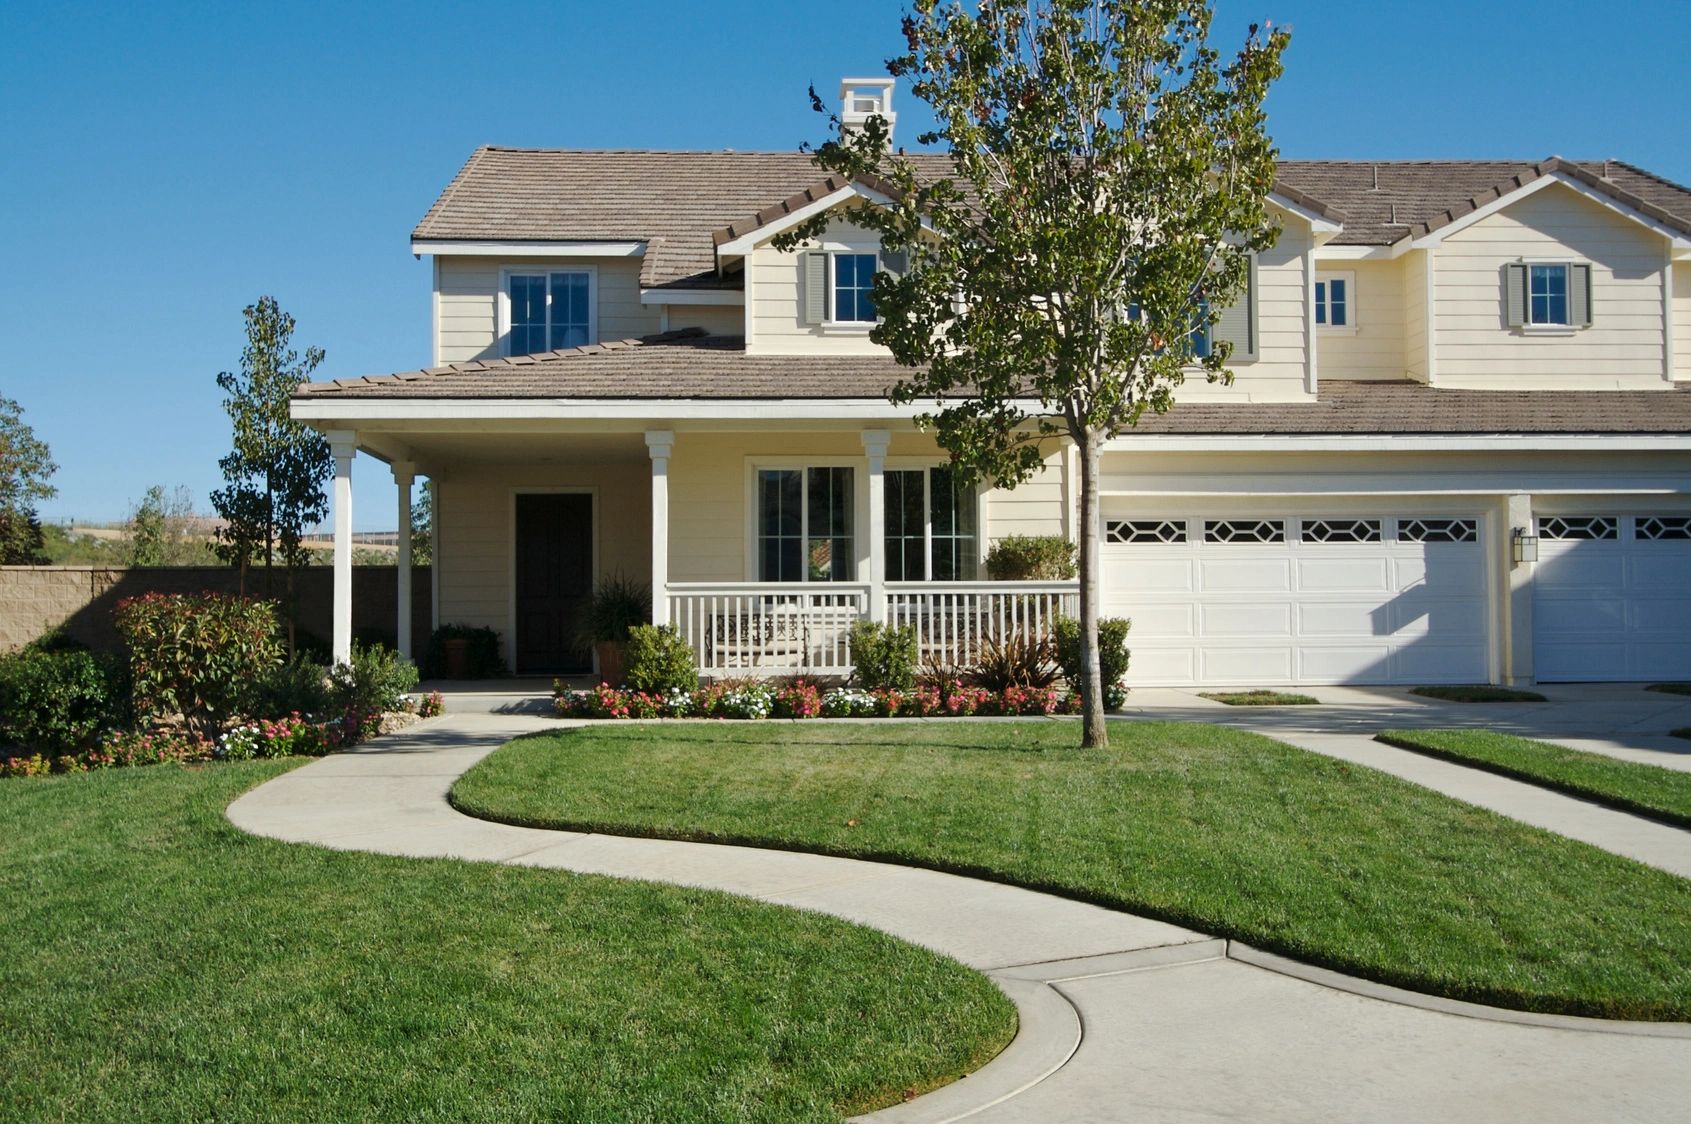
x: 1547, y: 293
x: 852, y: 275
x: 805, y: 524
x: 932, y: 530
x: 548, y: 310
x: 1335, y: 301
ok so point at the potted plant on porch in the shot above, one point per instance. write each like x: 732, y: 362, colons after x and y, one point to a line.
x: 617, y: 605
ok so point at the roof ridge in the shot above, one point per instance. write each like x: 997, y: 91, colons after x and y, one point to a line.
x: 1635, y: 169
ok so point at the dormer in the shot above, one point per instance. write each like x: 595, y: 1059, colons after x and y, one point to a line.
x: 863, y: 98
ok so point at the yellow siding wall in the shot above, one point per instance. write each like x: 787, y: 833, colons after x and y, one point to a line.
x: 1415, y: 314
x: 710, y: 475
x: 1622, y: 348
x: 1682, y: 320
x: 1372, y: 347
x: 467, y: 302
x: 473, y: 572
x: 775, y: 299
x: 718, y: 320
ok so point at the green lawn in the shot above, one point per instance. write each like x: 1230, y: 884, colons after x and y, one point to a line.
x: 1259, y: 698
x: 1225, y: 831
x: 162, y: 965
x: 1649, y: 790
x: 1477, y: 693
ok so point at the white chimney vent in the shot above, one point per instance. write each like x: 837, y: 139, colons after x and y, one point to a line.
x: 863, y: 98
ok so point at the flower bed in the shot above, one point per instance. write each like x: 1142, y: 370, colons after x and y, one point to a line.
x: 802, y: 698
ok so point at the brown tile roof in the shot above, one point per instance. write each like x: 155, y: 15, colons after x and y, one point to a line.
x: 691, y: 365
x: 683, y: 204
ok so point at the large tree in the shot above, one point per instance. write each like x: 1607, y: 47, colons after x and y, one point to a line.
x: 25, y: 466
x: 1109, y: 172
x: 278, y: 466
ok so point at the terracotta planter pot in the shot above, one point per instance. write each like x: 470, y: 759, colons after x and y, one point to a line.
x: 613, y: 661
x: 457, y: 657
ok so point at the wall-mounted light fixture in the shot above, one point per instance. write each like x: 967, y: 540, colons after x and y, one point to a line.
x: 1526, y: 546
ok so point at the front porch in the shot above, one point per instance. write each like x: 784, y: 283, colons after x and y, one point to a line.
x: 761, y: 544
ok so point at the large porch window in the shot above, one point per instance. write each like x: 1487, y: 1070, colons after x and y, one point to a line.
x: 931, y: 526
x: 804, y: 524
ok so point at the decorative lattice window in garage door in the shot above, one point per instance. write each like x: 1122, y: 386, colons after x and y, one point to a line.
x: 1579, y: 527
x: 1145, y: 530
x: 1244, y: 530
x: 1340, y: 530
x: 1662, y: 527
x: 1438, y: 530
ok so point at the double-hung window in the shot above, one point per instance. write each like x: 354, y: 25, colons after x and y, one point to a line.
x: 931, y: 527
x: 1334, y: 297
x: 1547, y: 295
x: 805, y: 524
x: 549, y: 310
x: 854, y: 276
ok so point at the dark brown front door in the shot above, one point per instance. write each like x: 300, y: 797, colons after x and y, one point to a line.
x: 554, y: 581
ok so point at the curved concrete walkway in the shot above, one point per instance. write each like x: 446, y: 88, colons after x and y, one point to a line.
x: 1123, y: 1018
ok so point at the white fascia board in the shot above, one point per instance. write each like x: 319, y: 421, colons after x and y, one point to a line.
x: 1362, y: 253
x: 1317, y: 222
x: 749, y: 241
x: 1433, y: 239
x: 693, y: 296
x: 726, y: 409
x: 1407, y: 443
x: 452, y: 247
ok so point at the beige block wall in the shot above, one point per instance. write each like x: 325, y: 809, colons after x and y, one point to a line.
x: 710, y: 494
x: 1623, y: 348
x: 1371, y: 347
x: 475, y: 510
x: 468, y: 293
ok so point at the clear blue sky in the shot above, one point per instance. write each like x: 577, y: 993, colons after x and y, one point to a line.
x: 164, y: 164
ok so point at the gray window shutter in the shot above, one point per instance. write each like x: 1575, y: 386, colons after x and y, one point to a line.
x: 1237, y: 323
x: 1515, y: 295
x: 815, y: 288
x: 1579, y: 296
x: 895, y: 262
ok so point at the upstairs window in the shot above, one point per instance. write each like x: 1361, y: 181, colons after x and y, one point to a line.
x: 548, y: 310
x: 854, y: 276
x: 1547, y: 295
x: 1334, y: 294
x: 931, y: 526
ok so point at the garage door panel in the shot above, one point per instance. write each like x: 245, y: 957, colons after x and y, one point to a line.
x: 1251, y: 619
x: 1315, y: 609
x: 1245, y: 665
x: 1343, y: 575
x: 1615, y: 608
x: 1261, y: 574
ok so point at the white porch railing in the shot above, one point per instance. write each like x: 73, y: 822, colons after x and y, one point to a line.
x: 954, y: 619
x: 768, y: 628
x: 773, y: 628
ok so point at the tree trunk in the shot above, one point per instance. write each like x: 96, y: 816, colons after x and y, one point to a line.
x: 1094, y: 731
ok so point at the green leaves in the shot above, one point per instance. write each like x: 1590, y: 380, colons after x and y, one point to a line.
x: 25, y: 465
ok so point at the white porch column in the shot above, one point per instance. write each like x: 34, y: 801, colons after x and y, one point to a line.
x: 659, y: 443
x: 404, y: 472
x: 875, y: 443
x: 343, y: 446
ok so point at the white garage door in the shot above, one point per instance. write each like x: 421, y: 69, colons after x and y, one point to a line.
x: 1218, y: 598
x: 1612, y: 598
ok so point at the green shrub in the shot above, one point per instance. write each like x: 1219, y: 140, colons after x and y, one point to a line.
x: 1112, y: 655
x: 1016, y: 661
x: 485, y: 662
x: 616, y: 606
x: 197, y: 654
x: 298, y: 686
x: 57, y: 702
x: 883, y: 657
x: 375, y: 679
x: 1031, y: 558
x: 660, y: 661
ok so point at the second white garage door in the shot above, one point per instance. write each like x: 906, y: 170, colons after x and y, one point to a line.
x: 1223, y: 599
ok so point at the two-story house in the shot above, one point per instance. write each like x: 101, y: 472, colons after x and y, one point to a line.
x: 1457, y: 448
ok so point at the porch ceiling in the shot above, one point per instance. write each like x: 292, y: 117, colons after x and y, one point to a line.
x: 437, y: 451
